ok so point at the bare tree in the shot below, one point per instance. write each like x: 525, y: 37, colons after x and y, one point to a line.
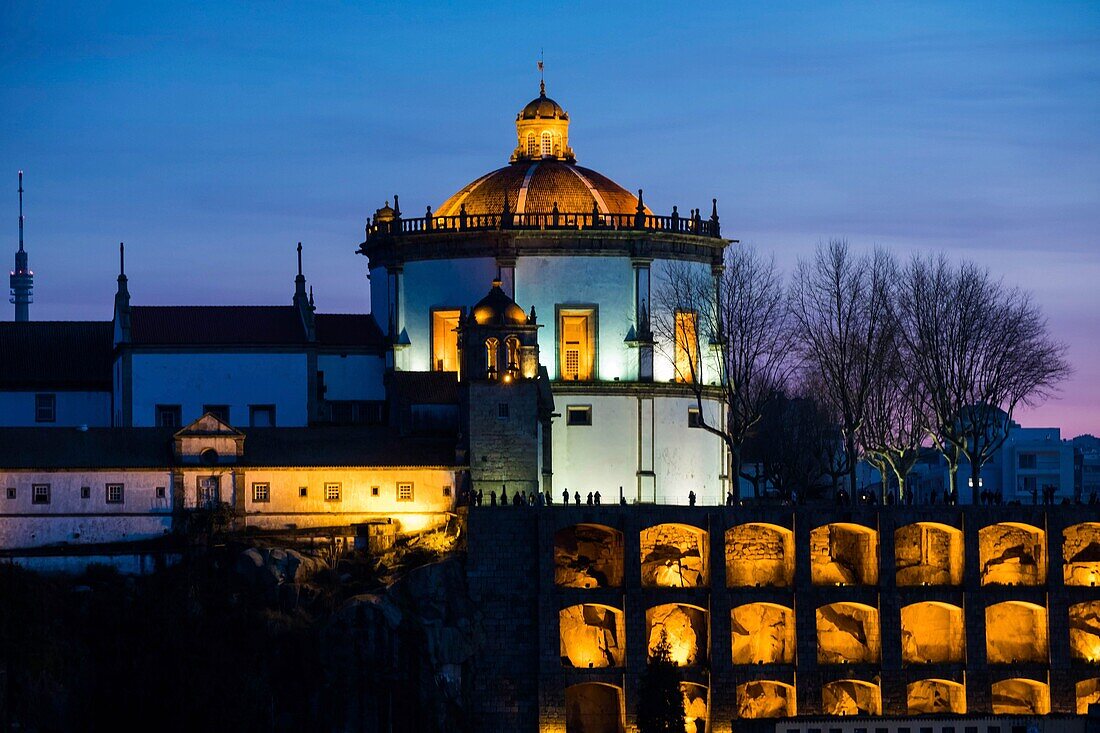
x: 895, y: 425
x: 843, y: 327
x: 980, y: 349
x: 742, y: 313
x: 791, y: 447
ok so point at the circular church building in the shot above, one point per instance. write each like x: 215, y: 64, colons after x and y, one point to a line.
x: 584, y: 253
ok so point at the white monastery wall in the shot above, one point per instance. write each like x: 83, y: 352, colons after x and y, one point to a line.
x: 72, y: 409
x: 663, y: 369
x: 353, y: 376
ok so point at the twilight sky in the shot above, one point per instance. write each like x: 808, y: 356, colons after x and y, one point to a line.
x: 212, y: 139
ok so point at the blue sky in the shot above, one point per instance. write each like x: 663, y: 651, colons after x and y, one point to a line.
x: 211, y: 138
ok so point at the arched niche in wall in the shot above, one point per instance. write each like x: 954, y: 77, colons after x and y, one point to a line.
x: 592, y: 635
x: 762, y: 633
x: 935, y: 697
x: 1012, y: 553
x: 1081, y: 554
x: 696, y: 711
x: 844, y: 553
x: 1019, y: 696
x: 588, y: 556
x: 847, y: 633
x: 765, y: 699
x: 594, y: 707
x: 851, y: 697
x: 759, y: 554
x: 1088, y: 693
x: 1084, y: 631
x: 1015, y: 632
x: 932, y: 633
x: 686, y: 627
x: 675, y: 556
x: 928, y: 553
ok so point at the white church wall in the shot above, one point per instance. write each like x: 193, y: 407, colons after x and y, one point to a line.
x: 686, y: 459
x: 192, y: 380
x: 17, y: 409
x: 352, y: 376
x: 663, y: 369
x: 547, y: 282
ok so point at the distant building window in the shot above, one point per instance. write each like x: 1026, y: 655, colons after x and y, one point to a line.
x: 947, y: 729
x: 303, y: 492
x: 115, y: 494
x: 695, y: 418
x: 261, y: 493
x: 446, y: 491
x: 219, y: 411
x: 502, y: 410
x: 161, y: 492
x: 45, y: 408
x: 374, y: 491
x: 578, y: 415
x: 169, y: 416
x: 40, y: 494
x: 85, y: 492
x: 11, y: 492
x: 445, y: 339
x: 405, y: 492
x: 209, y: 491
x: 261, y: 416
x: 332, y: 492
x: 1028, y: 460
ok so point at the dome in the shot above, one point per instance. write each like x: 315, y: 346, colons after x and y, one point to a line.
x: 542, y: 107
x: 497, y: 309
x: 535, y: 186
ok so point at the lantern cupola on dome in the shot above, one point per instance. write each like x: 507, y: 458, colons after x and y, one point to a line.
x: 542, y: 130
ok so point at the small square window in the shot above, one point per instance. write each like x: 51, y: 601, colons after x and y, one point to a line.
x: 332, y: 492
x: 374, y: 491
x: 303, y: 492
x: 11, y: 492
x: 261, y: 416
x: 971, y: 729
x: 836, y: 730
x: 947, y: 729
x: 115, y: 494
x: 45, y: 407
x: 926, y: 729
x: 578, y: 415
x: 993, y: 729
x: 860, y: 730
x: 219, y: 411
x: 261, y: 493
x: 446, y: 491
x: 160, y: 492
x: 405, y: 492
x: 85, y: 492
x: 695, y: 419
x: 40, y: 494
x: 814, y: 730
x: 903, y: 730
x: 169, y: 416
x: 502, y: 410
x: 882, y: 730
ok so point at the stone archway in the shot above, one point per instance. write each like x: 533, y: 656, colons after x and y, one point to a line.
x: 1012, y: 553
x: 588, y: 556
x: 932, y: 633
x: 759, y: 554
x: 928, y: 553
x: 844, y: 553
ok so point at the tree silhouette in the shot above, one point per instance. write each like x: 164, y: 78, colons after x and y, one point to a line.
x: 660, y: 700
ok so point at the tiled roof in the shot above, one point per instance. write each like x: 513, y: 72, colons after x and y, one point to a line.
x: 348, y: 329
x: 434, y: 388
x: 190, y: 325
x: 62, y: 355
x: 46, y: 448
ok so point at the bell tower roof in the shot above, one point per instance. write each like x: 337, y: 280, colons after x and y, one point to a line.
x: 542, y: 130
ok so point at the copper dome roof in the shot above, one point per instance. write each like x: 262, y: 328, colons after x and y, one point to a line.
x: 542, y: 107
x: 497, y: 309
x: 535, y: 186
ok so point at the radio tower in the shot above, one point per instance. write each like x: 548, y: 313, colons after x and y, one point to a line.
x: 22, y: 279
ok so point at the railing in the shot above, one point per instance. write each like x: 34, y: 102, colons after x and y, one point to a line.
x: 553, y: 220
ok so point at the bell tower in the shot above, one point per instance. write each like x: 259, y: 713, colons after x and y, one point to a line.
x: 506, y: 400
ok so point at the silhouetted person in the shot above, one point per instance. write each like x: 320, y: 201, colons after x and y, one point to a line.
x: 596, y: 496
x: 549, y: 498
x: 492, y: 498
x: 577, y: 497
x: 589, y: 498
x: 565, y: 497
x: 504, y: 496
x: 691, y: 498
x: 622, y: 499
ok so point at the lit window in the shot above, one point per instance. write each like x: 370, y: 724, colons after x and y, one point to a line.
x: 40, y: 494
x: 532, y: 146
x: 45, y: 407
x: 303, y: 492
x: 208, y: 491
x: 492, y: 358
x: 261, y: 492
x: 261, y: 416
x: 168, y: 416
x: 446, y: 491
x: 332, y: 492
x: 511, y: 348
x: 694, y: 418
x: 374, y: 491
x: 405, y: 492
x: 85, y: 492
x: 115, y: 494
x: 578, y: 415
x: 687, y: 346
x: 219, y: 411
x: 445, y: 340
x: 547, y: 144
x: 577, y: 343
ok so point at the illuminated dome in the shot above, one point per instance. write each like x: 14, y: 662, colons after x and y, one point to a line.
x: 497, y: 309
x: 543, y: 173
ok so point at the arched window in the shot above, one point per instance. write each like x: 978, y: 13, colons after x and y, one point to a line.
x: 547, y: 144
x: 492, y: 359
x: 532, y: 146
x: 511, y: 347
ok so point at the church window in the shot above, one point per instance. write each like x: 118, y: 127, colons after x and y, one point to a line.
x: 532, y: 146
x: 45, y: 407
x: 115, y: 494
x: 511, y: 347
x: 687, y: 346
x: 261, y: 416
x: 547, y: 144
x: 168, y: 416
x: 578, y: 415
x: 577, y: 343
x: 219, y: 411
x: 261, y: 492
x: 492, y: 358
x: 374, y: 491
x: 445, y: 339
x: 332, y: 492
x: 695, y: 419
x: 40, y: 494
x: 405, y: 492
